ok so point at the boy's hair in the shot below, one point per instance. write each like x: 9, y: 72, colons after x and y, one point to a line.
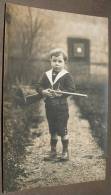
x: 56, y: 52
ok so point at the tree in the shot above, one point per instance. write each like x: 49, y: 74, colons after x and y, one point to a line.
x: 23, y: 40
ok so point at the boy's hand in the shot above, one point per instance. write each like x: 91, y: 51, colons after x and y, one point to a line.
x: 58, y: 93
x: 47, y: 92
x: 51, y: 93
x: 55, y: 93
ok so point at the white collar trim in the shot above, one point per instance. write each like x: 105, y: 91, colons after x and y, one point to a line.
x: 59, y: 75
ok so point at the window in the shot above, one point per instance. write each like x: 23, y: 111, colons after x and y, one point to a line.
x: 79, y: 50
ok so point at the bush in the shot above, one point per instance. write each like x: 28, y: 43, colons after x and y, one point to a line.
x: 94, y: 109
x: 18, y: 118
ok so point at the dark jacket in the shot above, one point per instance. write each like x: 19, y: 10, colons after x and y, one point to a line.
x: 63, y: 82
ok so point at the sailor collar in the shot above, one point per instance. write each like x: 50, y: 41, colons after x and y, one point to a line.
x: 59, y: 75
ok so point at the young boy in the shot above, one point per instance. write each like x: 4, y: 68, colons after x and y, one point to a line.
x: 57, y: 79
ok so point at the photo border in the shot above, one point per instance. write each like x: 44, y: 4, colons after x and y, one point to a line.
x: 100, y: 8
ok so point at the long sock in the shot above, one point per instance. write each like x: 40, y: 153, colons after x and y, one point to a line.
x: 65, y: 144
x: 53, y: 143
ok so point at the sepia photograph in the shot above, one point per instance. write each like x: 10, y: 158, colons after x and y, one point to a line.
x: 55, y: 98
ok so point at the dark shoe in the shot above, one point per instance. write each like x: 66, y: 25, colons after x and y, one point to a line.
x: 65, y: 156
x: 52, y: 156
x: 65, y: 153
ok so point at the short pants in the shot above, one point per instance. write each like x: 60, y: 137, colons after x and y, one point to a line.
x: 57, y: 115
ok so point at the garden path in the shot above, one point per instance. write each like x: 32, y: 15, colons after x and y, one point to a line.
x: 86, y: 162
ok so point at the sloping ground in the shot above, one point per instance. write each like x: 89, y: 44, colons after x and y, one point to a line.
x: 86, y: 162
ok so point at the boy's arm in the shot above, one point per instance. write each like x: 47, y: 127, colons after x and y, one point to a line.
x: 41, y: 87
x: 69, y: 85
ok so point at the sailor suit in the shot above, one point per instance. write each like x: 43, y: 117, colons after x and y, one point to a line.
x: 57, y: 107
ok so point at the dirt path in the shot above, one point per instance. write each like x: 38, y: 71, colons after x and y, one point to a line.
x: 86, y: 158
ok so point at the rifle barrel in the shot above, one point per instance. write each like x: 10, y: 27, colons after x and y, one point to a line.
x: 70, y: 93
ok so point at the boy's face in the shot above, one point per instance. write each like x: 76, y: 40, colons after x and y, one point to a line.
x: 57, y: 62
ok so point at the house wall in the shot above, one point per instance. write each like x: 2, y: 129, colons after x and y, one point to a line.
x: 54, y: 28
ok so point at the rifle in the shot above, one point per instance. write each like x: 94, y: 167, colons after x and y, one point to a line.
x: 59, y: 92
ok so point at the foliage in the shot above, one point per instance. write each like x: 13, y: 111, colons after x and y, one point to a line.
x: 94, y: 109
x: 18, y: 118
